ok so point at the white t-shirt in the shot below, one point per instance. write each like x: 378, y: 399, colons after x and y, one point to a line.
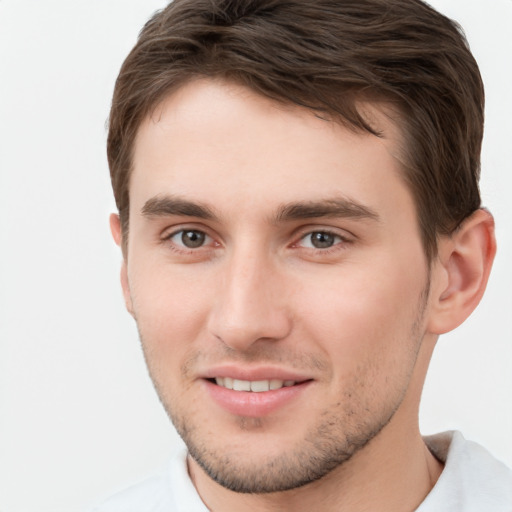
x: 472, y: 481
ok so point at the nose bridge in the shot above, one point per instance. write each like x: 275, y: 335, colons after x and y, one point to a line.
x: 249, y: 305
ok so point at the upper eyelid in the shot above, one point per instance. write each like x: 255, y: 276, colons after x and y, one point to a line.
x: 168, y: 234
x: 324, y: 231
x: 182, y: 230
x: 342, y: 241
x: 344, y: 234
x: 181, y: 248
x: 170, y: 231
x: 297, y: 234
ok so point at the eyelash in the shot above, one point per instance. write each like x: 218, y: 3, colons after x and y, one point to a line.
x: 339, y: 243
x: 181, y: 248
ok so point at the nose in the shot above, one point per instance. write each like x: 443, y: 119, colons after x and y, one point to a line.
x: 250, y: 305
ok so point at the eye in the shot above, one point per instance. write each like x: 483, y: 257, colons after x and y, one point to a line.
x: 320, y: 240
x: 190, y: 238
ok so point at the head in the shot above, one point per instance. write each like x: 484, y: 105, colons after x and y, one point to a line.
x: 326, y: 56
x: 297, y: 185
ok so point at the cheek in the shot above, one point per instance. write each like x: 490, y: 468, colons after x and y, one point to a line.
x: 170, y: 315
x: 170, y: 308
x: 366, y: 319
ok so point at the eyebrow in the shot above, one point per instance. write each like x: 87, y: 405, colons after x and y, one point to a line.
x: 337, y: 207
x: 161, y: 206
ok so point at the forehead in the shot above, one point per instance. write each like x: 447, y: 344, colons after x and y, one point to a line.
x: 223, y: 143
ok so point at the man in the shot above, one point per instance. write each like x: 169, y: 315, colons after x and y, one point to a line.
x: 299, y: 215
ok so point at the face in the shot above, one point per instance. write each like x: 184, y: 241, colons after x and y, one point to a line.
x: 277, y: 277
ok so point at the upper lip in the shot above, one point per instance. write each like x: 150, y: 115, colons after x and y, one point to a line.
x: 253, y: 374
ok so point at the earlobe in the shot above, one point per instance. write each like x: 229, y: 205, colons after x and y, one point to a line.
x: 462, y: 271
x: 115, y: 229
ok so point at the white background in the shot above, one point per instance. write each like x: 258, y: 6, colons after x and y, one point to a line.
x: 78, y: 415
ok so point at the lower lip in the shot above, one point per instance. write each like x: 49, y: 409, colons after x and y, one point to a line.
x: 252, y: 404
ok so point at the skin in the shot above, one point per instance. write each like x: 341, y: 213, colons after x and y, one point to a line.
x: 358, y: 317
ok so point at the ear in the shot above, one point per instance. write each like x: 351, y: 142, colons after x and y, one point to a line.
x: 117, y: 235
x: 461, y: 272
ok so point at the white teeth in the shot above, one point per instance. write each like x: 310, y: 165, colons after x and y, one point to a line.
x: 257, y: 386
x: 260, y: 385
x: 241, y: 385
x: 276, y: 384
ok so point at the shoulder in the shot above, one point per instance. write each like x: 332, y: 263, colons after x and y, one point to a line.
x: 167, y: 490
x: 472, y: 479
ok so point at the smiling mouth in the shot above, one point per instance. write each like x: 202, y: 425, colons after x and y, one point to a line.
x: 256, y: 386
x: 255, y: 398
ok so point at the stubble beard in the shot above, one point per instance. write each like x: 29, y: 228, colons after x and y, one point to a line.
x: 324, y: 448
x: 342, y: 431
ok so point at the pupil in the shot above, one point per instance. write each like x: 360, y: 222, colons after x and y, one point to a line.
x: 192, y: 239
x: 322, y: 240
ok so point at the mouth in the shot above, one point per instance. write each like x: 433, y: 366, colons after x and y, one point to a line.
x: 255, y: 386
x: 255, y: 398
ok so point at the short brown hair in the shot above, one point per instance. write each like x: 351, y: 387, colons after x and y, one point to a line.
x: 324, y: 55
